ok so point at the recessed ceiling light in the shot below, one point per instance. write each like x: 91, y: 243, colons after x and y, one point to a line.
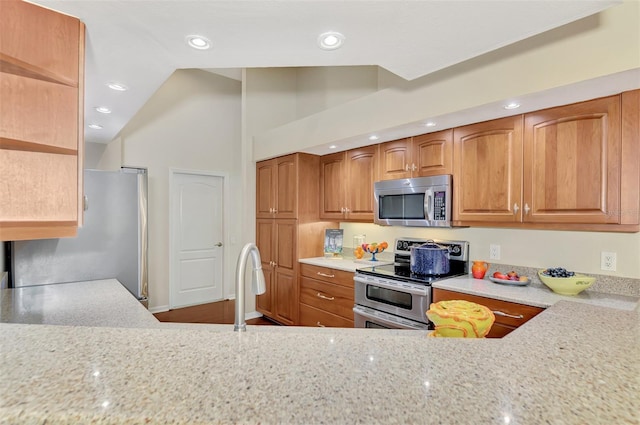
x: 330, y: 40
x: 198, y: 42
x: 373, y: 137
x: 332, y: 147
x: 117, y: 86
x: 430, y: 124
x: 512, y: 105
x: 103, y: 110
x: 95, y: 126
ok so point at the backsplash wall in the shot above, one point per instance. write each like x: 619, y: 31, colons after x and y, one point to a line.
x: 578, y: 251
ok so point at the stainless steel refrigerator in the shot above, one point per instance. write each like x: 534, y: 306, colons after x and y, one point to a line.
x: 112, y: 243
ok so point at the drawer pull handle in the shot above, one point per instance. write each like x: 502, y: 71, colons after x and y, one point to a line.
x: 325, y: 275
x: 319, y: 295
x: 500, y: 313
x: 320, y: 324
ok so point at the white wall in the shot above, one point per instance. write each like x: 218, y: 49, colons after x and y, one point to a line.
x: 192, y: 122
x: 92, y: 154
x: 320, y: 88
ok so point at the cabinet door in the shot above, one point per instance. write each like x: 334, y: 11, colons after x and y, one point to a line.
x: 264, y: 302
x: 487, y: 160
x: 285, y: 284
x: 285, y: 297
x: 572, y: 163
x: 395, y: 159
x: 41, y: 138
x: 332, y: 183
x: 286, y: 187
x: 37, y: 42
x: 265, y: 188
x: 265, y: 241
x: 362, y: 166
x: 432, y: 154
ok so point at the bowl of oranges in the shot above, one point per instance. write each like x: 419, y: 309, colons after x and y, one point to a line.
x: 371, y: 248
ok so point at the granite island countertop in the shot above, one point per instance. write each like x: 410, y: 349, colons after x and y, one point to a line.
x: 537, y: 295
x: 572, y: 364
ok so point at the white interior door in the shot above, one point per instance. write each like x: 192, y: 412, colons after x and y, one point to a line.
x: 196, y: 243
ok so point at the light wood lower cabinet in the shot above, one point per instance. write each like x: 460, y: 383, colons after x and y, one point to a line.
x: 509, y: 316
x: 311, y: 316
x: 277, y: 242
x: 326, y: 297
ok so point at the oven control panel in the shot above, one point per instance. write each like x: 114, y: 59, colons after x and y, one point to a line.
x: 458, y: 250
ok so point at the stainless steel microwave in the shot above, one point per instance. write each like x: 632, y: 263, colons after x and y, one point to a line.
x: 420, y: 201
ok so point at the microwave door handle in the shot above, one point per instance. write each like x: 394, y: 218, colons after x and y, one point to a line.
x: 428, y: 204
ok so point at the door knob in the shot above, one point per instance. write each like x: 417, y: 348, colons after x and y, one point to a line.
x: 219, y: 244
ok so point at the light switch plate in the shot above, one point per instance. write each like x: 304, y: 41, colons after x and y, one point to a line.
x: 494, y: 252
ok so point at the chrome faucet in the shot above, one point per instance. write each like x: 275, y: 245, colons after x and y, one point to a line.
x: 258, y: 283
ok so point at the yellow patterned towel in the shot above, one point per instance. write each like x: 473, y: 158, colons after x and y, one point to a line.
x: 460, y: 319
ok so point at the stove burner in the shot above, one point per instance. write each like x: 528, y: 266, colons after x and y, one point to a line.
x: 402, y: 271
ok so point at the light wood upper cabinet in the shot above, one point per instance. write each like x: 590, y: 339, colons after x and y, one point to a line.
x: 41, y: 132
x: 395, y: 159
x: 572, y: 167
x: 572, y: 163
x: 420, y: 156
x: 277, y: 188
x: 487, y: 180
x: 333, y: 184
x: 346, y: 184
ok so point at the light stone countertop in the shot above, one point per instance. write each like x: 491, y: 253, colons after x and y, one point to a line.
x: 572, y: 364
x: 536, y: 295
x: 90, y: 303
x: 347, y: 263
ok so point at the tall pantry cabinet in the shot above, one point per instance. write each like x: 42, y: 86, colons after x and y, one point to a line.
x: 41, y: 128
x: 287, y: 228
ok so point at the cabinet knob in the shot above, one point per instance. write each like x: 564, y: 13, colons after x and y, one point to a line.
x: 406, y: 167
x: 515, y: 208
x: 320, y: 324
x: 347, y: 210
x: 526, y: 208
x: 413, y: 167
x: 219, y: 244
x: 275, y: 211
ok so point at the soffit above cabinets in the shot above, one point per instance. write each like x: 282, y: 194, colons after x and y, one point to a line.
x: 140, y: 43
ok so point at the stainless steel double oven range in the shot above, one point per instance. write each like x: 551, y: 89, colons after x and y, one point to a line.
x: 390, y: 296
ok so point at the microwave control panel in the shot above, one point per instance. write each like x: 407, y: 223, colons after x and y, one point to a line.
x: 439, y: 206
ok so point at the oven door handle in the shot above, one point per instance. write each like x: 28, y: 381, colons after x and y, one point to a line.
x: 381, y: 320
x: 408, y: 290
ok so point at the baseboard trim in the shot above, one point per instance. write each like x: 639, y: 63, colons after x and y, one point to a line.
x: 158, y: 309
x: 252, y: 315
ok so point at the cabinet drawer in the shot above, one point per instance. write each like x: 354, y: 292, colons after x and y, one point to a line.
x: 310, y: 316
x: 335, y: 299
x: 327, y: 274
x: 512, y: 309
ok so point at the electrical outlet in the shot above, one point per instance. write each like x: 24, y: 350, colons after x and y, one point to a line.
x: 494, y: 252
x: 608, y: 261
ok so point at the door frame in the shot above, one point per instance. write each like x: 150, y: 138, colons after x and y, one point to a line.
x: 225, y: 219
